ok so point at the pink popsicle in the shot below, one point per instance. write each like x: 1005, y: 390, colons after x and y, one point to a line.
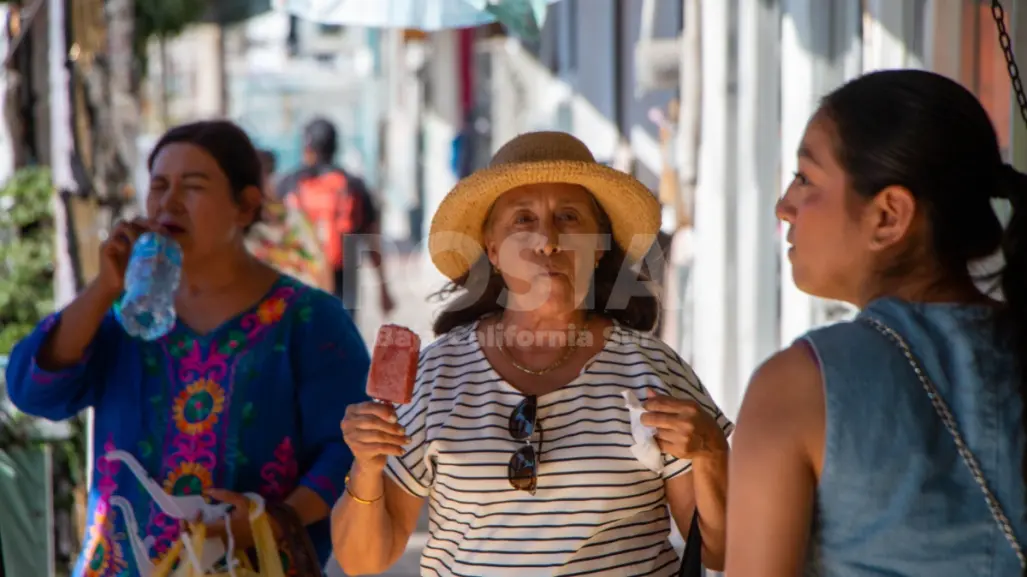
x: 394, y: 365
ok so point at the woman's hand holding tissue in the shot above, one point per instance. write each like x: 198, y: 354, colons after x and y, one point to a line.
x: 683, y: 429
x: 686, y: 430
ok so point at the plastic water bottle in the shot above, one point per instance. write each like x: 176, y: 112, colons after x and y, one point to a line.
x: 147, y: 309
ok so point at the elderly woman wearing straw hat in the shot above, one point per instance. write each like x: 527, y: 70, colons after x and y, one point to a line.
x: 520, y: 433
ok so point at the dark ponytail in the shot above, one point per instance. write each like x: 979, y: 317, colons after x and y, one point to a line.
x: 1013, y: 187
x: 929, y: 134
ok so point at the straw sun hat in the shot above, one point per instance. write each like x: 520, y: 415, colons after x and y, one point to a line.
x: 455, y: 240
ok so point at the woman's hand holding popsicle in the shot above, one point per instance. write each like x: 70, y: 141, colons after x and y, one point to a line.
x: 372, y: 433
x: 375, y: 517
x: 371, y: 429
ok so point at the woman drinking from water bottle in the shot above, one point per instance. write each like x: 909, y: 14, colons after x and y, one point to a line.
x: 244, y: 394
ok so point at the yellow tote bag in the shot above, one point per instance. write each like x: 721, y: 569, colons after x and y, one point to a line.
x: 191, y: 541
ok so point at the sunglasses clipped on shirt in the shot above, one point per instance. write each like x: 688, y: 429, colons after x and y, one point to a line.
x: 522, y: 471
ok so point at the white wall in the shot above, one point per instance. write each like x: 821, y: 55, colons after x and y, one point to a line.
x: 6, y: 142
x: 192, y: 75
x: 758, y: 160
x: 806, y: 76
x: 442, y: 119
x: 714, y: 328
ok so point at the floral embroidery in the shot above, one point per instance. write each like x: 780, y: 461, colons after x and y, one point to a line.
x: 200, y: 446
x: 247, y: 413
x: 106, y: 471
x: 235, y: 341
x: 165, y: 531
x: 105, y: 555
x: 197, y: 407
x: 271, y: 310
x: 181, y: 346
x: 150, y: 362
x: 280, y: 475
x: 188, y: 479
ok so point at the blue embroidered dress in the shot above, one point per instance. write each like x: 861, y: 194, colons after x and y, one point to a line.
x: 253, y: 406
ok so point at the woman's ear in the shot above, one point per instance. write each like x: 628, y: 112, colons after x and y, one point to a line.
x: 891, y: 213
x: 250, y: 202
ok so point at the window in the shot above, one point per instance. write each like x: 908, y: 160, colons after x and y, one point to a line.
x: 329, y: 29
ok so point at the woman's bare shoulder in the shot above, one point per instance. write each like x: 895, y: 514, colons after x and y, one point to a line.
x: 791, y: 371
x: 784, y: 402
x: 772, y: 455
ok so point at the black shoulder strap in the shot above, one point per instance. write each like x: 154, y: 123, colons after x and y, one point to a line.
x: 691, y: 560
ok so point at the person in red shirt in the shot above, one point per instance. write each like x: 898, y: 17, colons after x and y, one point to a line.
x: 342, y: 210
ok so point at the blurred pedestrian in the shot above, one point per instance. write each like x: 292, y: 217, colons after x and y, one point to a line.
x: 286, y: 239
x: 343, y: 211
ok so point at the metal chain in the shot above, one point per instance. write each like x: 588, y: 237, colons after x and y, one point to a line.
x: 1007, y: 49
x: 945, y: 414
x: 1021, y: 99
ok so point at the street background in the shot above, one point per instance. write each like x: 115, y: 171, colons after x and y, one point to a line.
x: 704, y: 101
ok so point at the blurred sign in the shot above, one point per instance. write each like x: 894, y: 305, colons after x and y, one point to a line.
x: 657, y: 65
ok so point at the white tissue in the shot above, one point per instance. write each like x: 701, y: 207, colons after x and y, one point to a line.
x: 645, y: 448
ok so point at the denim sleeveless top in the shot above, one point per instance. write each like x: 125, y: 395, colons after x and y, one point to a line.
x: 895, y: 498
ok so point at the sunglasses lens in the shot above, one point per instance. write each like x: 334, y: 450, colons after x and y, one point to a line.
x: 522, y: 470
x: 522, y: 419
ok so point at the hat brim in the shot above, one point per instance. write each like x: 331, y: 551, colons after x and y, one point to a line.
x: 455, y: 239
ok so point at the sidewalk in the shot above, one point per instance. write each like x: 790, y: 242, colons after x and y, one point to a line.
x: 412, y: 280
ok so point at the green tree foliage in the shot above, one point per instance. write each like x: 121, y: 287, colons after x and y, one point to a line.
x: 26, y: 253
x: 163, y: 19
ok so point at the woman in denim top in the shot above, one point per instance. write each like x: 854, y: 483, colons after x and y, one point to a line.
x: 841, y: 465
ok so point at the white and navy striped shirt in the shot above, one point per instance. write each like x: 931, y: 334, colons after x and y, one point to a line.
x: 597, y: 510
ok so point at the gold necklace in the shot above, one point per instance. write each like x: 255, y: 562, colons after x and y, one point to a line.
x: 571, y: 347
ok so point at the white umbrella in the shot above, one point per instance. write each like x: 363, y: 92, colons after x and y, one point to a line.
x: 427, y: 15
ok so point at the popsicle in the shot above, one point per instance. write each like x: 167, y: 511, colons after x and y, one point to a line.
x: 394, y: 365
